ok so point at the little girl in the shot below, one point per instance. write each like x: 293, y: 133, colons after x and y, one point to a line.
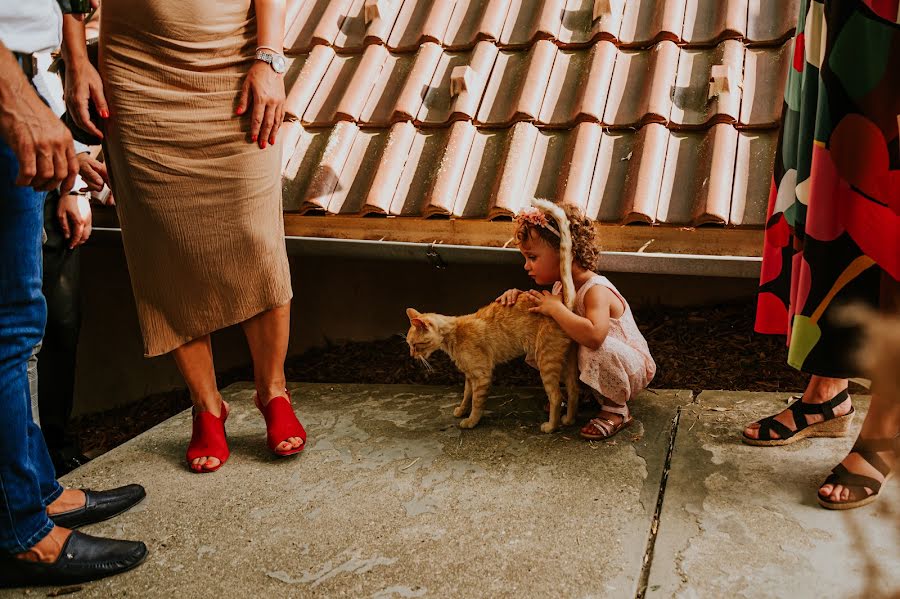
x: 613, y: 358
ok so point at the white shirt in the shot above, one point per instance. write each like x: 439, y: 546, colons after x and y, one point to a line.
x: 30, y: 26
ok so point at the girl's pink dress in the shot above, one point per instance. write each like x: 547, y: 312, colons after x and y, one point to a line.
x: 622, y: 366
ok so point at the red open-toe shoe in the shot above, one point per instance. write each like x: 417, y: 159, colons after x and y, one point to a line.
x: 281, y: 424
x: 208, y: 439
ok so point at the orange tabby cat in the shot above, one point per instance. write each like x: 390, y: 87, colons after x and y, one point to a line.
x: 496, y: 333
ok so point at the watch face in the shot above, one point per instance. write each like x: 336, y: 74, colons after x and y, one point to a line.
x: 279, y: 63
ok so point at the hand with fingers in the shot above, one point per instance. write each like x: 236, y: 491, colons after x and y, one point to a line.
x: 509, y: 297
x: 545, y: 302
x: 263, y: 94
x: 75, y: 219
x: 93, y: 172
x: 40, y: 141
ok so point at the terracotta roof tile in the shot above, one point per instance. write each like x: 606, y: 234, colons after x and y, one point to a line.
x: 637, y: 111
x: 641, y: 88
x: 699, y: 174
x: 710, y: 21
x: 765, y: 75
x: 708, y: 85
x: 771, y: 20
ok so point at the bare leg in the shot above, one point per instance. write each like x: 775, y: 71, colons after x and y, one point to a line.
x: 267, y: 335
x: 819, y: 390
x: 463, y: 408
x: 195, y: 361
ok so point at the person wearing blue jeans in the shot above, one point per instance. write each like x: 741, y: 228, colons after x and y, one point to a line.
x: 37, y: 515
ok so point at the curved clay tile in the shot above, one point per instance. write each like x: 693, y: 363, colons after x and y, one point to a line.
x: 708, y: 85
x: 578, y: 85
x: 458, y: 84
x: 302, y: 85
x: 443, y: 196
x: 698, y: 178
x: 481, y: 175
x: 475, y: 20
x: 301, y: 19
x: 323, y: 107
x: 390, y: 168
x: 709, y: 21
x: 358, y: 172
x: 628, y: 175
x: 771, y: 20
x: 420, y: 21
x: 584, y: 21
x: 381, y: 105
x: 641, y: 88
x: 296, y: 170
x: 765, y: 75
x: 328, y: 166
x: 510, y: 185
x: 580, y: 163
x: 753, y: 177
x: 416, y: 86
x: 646, y: 22
x: 357, y: 92
x: 367, y: 22
x: 517, y: 85
x: 329, y: 25
x: 417, y: 176
x: 548, y: 165
x: 530, y: 20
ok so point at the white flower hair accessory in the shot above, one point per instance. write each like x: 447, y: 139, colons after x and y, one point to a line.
x: 536, y: 217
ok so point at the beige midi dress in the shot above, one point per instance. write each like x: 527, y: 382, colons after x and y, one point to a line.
x: 199, y: 204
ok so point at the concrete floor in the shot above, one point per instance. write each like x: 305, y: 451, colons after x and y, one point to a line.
x: 391, y: 499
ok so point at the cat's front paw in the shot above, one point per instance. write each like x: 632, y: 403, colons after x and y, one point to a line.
x: 468, y: 423
x: 459, y: 411
x: 547, y: 427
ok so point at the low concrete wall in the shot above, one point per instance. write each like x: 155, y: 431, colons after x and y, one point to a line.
x: 335, y: 299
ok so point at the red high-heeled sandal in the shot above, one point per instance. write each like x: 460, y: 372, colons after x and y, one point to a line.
x: 281, y: 424
x: 208, y: 439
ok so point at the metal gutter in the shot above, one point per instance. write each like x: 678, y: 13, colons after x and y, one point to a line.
x: 442, y: 256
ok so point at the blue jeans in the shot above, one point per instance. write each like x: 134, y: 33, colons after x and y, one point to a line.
x: 27, y: 478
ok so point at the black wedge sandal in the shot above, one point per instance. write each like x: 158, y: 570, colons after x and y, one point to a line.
x: 832, y: 426
x: 863, y: 488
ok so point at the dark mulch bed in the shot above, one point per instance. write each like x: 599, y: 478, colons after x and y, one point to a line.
x: 694, y: 348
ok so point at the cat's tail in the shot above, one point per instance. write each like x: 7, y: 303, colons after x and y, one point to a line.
x: 565, y: 248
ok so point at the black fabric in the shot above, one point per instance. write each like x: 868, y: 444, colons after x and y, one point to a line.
x: 56, y: 360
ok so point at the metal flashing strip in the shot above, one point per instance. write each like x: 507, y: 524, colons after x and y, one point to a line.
x: 445, y: 256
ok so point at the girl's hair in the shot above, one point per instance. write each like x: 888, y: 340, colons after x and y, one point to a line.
x: 585, y: 247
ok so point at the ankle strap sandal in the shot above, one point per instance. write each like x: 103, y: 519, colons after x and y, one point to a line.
x: 863, y: 489
x: 831, y: 426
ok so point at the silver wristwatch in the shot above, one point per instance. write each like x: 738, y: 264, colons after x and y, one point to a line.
x: 277, y: 61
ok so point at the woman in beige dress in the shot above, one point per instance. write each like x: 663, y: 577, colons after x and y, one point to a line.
x: 190, y: 96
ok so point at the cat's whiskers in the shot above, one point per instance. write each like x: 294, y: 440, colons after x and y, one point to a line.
x: 426, y: 363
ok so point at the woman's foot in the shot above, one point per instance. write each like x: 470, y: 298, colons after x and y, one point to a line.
x: 812, y: 408
x: 284, y: 433
x: 208, y: 448
x: 857, y: 480
x: 47, y: 550
x: 607, y: 423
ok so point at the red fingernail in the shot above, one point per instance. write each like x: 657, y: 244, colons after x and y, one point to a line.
x: 104, y: 114
x: 254, y: 138
x: 240, y: 110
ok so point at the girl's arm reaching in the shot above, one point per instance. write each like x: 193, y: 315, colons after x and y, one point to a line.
x: 589, y: 331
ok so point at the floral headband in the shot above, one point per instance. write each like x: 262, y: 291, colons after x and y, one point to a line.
x: 536, y: 217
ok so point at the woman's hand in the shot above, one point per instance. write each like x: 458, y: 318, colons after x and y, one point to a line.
x: 509, y: 297
x: 75, y: 219
x: 545, y: 302
x: 264, y: 88
x: 93, y: 172
x: 83, y: 86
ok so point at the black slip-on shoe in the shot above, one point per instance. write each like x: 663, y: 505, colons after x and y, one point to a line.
x: 83, y: 558
x: 100, y: 506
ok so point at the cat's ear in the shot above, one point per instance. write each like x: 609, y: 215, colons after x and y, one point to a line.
x: 413, y: 313
x: 419, y: 323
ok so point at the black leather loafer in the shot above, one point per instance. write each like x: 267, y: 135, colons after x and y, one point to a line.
x: 100, y: 506
x: 83, y: 558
